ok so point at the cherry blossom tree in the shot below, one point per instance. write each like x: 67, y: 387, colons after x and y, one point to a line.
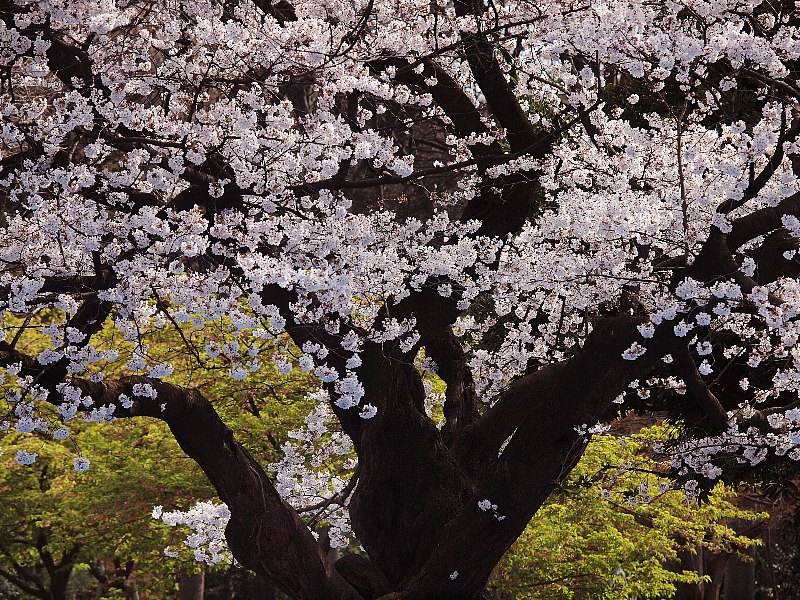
x: 561, y: 209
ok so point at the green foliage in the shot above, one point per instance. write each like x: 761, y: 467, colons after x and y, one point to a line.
x: 135, y: 464
x: 610, y: 532
x: 579, y: 545
x: 104, y: 511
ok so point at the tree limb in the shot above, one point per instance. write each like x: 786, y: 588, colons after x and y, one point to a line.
x: 260, y: 518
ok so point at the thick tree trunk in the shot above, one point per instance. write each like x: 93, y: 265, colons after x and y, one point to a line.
x: 131, y: 591
x: 691, y: 562
x: 192, y: 587
x: 416, y: 506
x: 740, y: 579
x: 265, y: 589
x: 59, y: 583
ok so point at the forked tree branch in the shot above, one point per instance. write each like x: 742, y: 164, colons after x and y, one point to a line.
x: 264, y: 533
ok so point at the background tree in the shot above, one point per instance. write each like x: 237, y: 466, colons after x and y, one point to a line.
x: 251, y: 167
x: 66, y: 532
x: 617, y: 529
x: 62, y: 527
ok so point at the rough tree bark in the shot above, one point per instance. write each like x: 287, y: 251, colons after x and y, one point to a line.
x: 192, y: 587
x: 415, y: 508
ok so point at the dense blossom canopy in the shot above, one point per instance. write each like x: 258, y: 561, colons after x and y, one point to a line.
x: 560, y: 208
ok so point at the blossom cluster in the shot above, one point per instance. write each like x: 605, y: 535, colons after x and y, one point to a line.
x: 198, y: 177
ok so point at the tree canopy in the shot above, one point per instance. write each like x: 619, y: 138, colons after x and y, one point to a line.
x: 564, y: 211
